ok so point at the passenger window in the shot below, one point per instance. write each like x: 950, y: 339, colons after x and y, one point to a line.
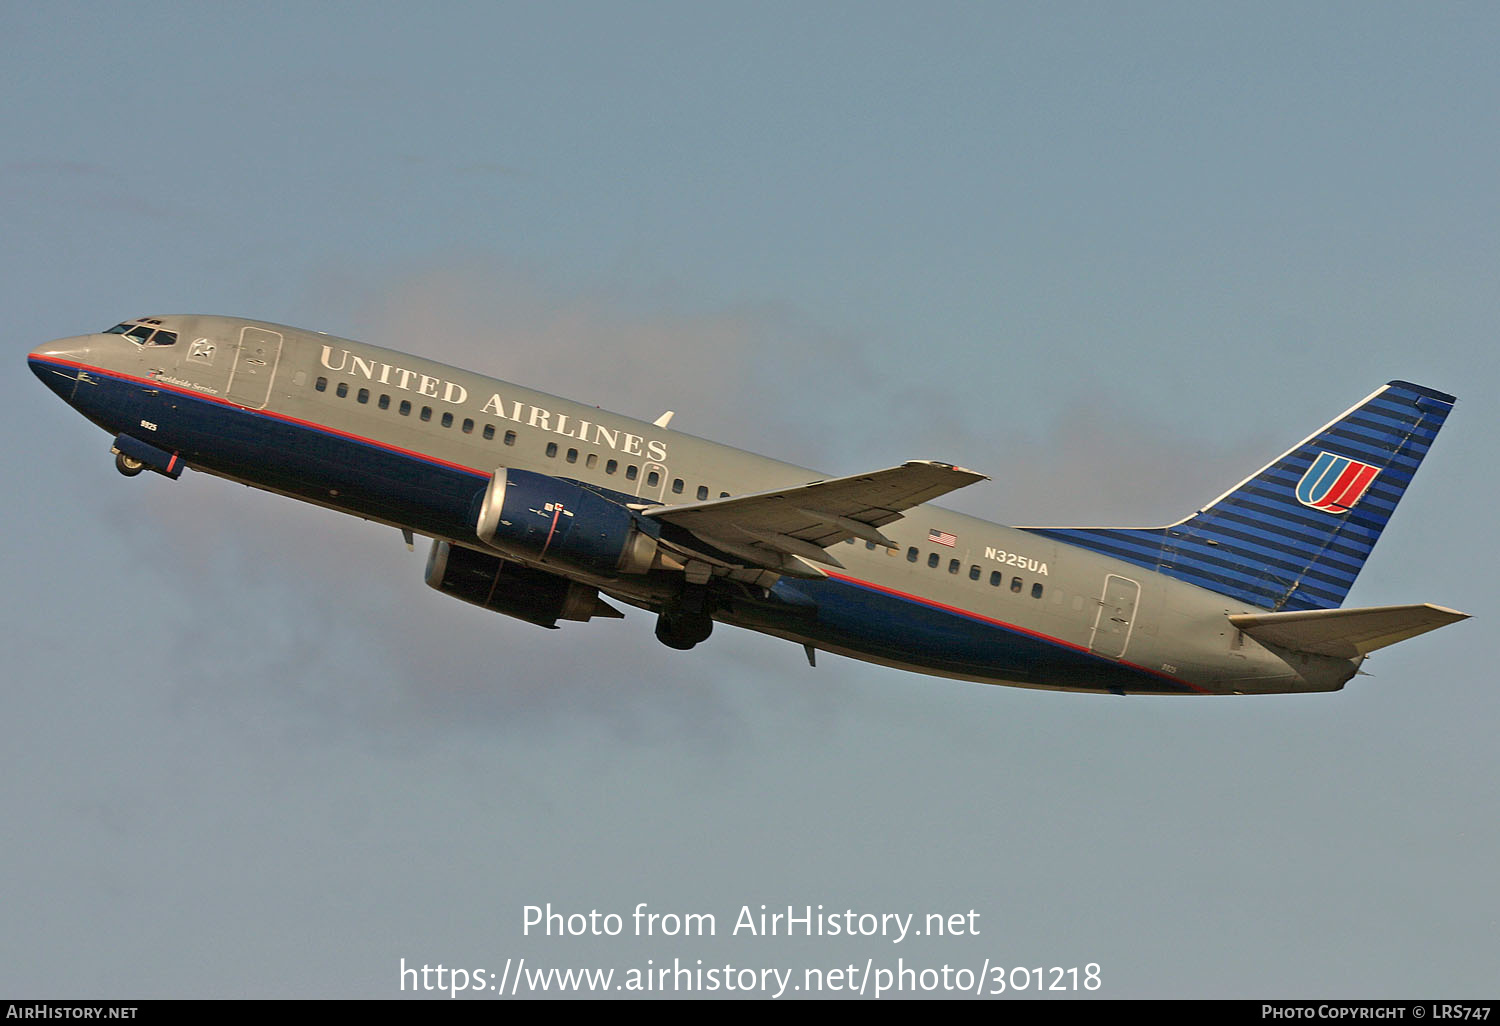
x: 427, y: 413
x: 611, y: 466
x: 911, y: 554
x: 551, y: 450
x: 510, y: 438
x: 933, y: 560
x: 468, y: 426
x: 405, y: 408
x: 1015, y: 585
x: 1036, y: 590
x: 723, y: 495
x: 995, y: 578
x: 321, y: 384
x: 653, y: 479
x: 702, y: 492
x: 489, y: 432
x: 631, y: 472
x: 364, y: 395
x: 447, y: 420
x: 974, y: 573
x: 592, y: 461
x: 677, y: 486
x: 385, y: 401
x: 953, y: 566
x: 572, y: 456
x: 343, y: 390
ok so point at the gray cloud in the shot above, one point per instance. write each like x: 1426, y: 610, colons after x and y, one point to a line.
x: 773, y: 382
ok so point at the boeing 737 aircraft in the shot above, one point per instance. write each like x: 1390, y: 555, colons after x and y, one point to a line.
x: 540, y: 507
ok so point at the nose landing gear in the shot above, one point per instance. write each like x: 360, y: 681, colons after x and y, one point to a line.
x: 133, y: 456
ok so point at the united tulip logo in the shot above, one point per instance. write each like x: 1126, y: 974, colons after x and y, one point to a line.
x: 1333, y: 484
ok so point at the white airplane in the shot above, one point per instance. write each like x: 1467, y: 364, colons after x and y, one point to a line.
x: 540, y: 506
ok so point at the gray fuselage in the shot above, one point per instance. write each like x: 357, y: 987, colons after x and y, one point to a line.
x: 401, y: 440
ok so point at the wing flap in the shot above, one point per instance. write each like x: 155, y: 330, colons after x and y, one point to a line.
x: 1345, y: 633
x: 768, y: 527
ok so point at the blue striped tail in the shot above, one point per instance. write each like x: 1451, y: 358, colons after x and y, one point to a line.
x: 1294, y: 535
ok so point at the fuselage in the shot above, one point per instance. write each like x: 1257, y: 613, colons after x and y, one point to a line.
x: 412, y: 443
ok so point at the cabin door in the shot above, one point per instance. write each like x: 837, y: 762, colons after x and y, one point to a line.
x: 1116, y: 614
x: 255, y: 358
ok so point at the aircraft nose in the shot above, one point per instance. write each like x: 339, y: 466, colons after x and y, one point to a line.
x: 57, y: 363
x: 63, y: 350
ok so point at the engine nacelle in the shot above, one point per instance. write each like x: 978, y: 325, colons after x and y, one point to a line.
x: 544, y: 519
x: 511, y: 588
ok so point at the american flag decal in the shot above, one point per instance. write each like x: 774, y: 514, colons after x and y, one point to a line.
x: 937, y: 537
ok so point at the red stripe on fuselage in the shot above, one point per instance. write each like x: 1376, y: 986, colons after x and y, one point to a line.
x: 314, y: 426
x: 970, y: 614
x: 285, y: 418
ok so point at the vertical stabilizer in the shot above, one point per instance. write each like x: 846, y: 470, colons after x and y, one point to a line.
x: 1294, y: 535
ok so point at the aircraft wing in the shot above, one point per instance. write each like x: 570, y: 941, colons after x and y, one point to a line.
x: 1346, y: 633
x: 784, y: 529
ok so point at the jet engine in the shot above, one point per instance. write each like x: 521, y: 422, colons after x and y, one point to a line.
x: 511, y: 588
x: 544, y: 519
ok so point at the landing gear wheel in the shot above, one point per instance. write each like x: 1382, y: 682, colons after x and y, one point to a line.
x: 683, y: 630
x: 127, y: 466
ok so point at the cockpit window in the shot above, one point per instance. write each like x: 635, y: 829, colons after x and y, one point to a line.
x: 144, y: 333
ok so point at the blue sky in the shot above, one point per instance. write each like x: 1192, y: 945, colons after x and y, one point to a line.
x: 1114, y: 256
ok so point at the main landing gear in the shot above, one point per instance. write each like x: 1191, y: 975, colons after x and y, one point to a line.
x: 128, y: 466
x: 686, y: 622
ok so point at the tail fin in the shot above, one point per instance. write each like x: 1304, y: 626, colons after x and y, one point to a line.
x: 1294, y: 535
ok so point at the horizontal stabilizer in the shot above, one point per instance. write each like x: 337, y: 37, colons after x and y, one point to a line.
x: 1345, y: 633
